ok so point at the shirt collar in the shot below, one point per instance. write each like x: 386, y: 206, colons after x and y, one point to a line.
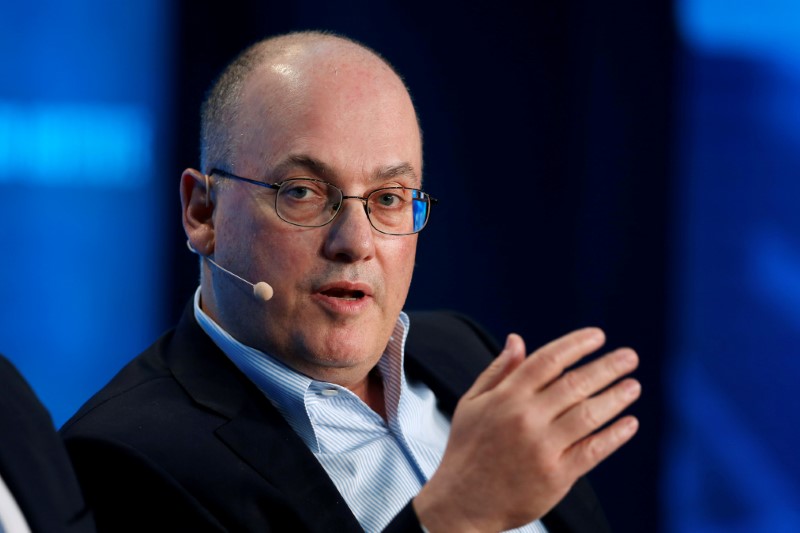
x: 287, y: 389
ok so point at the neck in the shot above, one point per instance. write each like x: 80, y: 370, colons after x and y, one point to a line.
x: 370, y: 390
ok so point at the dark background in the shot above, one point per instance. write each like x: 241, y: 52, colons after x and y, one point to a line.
x: 547, y: 135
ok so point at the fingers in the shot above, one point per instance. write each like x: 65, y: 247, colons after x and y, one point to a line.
x: 593, y: 450
x: 587, y: 416
x: 509, y: 359
x: 585, y: 381
x: 583, y: 399
x: 526, y: 430
x: 548, y: 362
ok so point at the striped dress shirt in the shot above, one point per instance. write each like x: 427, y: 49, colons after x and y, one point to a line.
x: 377, y: 465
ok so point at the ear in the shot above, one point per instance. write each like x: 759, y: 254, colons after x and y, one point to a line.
x: 198, y: 210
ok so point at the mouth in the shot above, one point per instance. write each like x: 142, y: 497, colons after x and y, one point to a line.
x: 352, y: 295
x: 344, y: 294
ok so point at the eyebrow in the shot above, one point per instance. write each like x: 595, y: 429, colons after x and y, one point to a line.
x: 302, y: 161
x: 320, y: 168
x: 396, y: 171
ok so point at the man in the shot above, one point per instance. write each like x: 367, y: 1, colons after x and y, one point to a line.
x: 309, y: 410
x: 38, y: 488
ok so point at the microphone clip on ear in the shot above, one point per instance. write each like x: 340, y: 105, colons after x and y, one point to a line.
x: 261, y: 290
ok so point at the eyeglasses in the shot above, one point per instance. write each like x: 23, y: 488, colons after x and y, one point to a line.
x: 313, y: 203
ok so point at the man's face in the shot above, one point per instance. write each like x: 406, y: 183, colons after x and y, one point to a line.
x: 338, y: 288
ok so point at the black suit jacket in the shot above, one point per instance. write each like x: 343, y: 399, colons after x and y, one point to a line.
x: 34, y: 463
x: 181, y: 440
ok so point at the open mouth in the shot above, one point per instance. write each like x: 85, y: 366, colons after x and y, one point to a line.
x: 344, y: 294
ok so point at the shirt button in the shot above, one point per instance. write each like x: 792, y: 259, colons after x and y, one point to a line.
x: 329, y: 392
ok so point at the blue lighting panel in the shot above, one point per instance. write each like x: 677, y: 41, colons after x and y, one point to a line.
x: 747, y: 27
x: 80, y: 277
x: 732, y: 463
x: 100, y: 145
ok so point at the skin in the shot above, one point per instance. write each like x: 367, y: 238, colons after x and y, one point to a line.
x: 527, y: 429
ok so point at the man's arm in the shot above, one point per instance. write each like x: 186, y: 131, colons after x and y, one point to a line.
x: 526, y: 431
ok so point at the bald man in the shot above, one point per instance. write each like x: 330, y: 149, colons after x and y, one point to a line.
x: 295, y: 395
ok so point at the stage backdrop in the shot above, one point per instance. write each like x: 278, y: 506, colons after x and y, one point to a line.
x: 731, y: 461
x: 82, y: 145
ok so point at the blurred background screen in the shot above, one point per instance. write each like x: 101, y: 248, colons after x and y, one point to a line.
x: 731, y: 462
x: 82, y: 118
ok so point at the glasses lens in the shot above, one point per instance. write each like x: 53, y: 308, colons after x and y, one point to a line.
x: 307, y: 202
x: 398, y: 211
x: 422, y: 209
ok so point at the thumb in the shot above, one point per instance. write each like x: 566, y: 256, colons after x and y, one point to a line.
x: 509, y: 359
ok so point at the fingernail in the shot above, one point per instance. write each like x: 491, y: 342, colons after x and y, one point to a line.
x: 632, y: 390
x: 630, y: 427
x: 597, y: 336
x: 628, y: 357
x: 508, y: 342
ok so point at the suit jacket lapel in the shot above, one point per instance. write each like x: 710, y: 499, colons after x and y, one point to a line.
x: 256, y: 431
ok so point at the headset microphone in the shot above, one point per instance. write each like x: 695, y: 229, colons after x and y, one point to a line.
x: 261, y: 290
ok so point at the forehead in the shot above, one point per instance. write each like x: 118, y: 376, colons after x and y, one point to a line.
x: 347, y: 110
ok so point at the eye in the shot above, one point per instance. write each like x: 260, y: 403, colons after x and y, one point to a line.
x: 388, y: 198
x: 298, y: 192
x: 302, y: 189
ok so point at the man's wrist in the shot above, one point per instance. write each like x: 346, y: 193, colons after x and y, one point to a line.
x: 438, y: 515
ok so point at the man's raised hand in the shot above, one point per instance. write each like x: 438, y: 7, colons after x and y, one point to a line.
x: 526, y: 430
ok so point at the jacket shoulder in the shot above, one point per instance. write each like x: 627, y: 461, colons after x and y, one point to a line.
x: 126, y: 390
x: 431, y: 327
x: 447, y: 350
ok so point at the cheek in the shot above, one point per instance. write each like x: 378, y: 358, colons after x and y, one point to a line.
x: 283, y: 263
x: 253, y: 236
x: 400, y: 265
x: 237, y: 222
x: 287, y: 259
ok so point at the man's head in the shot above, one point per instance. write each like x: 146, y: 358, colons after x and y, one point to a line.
x: 318, y: 106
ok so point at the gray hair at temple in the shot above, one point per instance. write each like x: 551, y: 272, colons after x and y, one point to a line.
x: 222, y: 105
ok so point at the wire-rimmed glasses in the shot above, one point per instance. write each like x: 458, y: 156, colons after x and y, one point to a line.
x: 312, y: 203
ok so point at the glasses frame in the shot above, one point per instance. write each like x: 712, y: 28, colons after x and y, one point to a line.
x: 423, y: 196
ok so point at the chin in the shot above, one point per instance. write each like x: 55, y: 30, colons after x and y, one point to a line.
x: 345, y: 348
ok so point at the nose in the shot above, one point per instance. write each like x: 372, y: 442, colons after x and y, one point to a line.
x: 350, y: 237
